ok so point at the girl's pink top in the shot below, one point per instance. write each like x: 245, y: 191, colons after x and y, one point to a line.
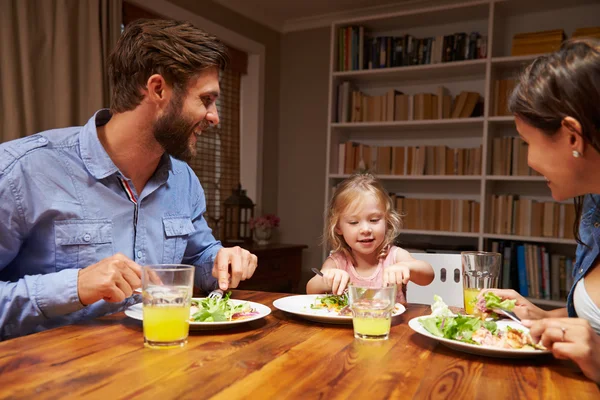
x: 376, y: 278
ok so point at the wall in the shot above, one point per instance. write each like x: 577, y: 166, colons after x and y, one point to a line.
x: 302, y: 141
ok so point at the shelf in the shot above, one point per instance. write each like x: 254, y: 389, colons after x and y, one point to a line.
x: 549, y: 303
x: 512, y: 62
x: 394, y: 126
x: 430, y: 72
x: 516, y: 238
x: 509, y: 178
x: 439, y: 233
x: 417, y: 177
x: 505, y: 119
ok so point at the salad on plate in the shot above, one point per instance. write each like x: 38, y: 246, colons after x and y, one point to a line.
x: 220, y: 310
x: 474, y: 330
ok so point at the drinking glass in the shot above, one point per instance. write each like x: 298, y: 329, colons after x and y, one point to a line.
x: 372, y: 311
x: 167, y: 296
x: 480, y: 271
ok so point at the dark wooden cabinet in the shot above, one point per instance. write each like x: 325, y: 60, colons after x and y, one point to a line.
x: 279, y: 268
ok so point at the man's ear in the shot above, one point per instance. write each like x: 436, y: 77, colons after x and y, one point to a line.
x: 157, y: 89
x: 572, y: 129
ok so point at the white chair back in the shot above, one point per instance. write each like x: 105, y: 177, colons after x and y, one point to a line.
x: 447, y: 282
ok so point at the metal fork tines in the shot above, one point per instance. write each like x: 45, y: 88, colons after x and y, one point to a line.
x: 215, y: 294
x: 509, y: 314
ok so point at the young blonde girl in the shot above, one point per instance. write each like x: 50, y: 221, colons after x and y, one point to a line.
x: 361, y: 226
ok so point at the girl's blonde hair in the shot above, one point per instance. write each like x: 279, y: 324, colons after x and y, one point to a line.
x: 347, y: 194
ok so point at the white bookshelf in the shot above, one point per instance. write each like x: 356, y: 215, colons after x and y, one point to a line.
x: 499, y: 20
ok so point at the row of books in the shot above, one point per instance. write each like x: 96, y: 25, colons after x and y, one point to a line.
x: 511, y: 215
x: 503, y: 88
x: 359, y: 50
x: 448, y: 215
x: 394, y: 105
x: 509, y: 157
x: 409, y: 160
x: 547, y: 41
x: 534, y: 272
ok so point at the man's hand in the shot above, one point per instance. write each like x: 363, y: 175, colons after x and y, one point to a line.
x: 242, y: 263
x: 112, y: 279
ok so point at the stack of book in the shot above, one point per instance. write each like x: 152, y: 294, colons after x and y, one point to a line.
x: 537, y: 42
x: 503, y: 88
x: 533, y: 272
x: 511, y: 215
x: 509, y: 157
x: 416, y: 160
x: 447, y: 215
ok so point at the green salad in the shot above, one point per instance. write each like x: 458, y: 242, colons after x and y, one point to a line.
x: 220, y: 310
x: 444, y: 323
x: 331, y: 302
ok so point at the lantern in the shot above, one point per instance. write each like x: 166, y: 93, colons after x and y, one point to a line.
x: 239, y: 209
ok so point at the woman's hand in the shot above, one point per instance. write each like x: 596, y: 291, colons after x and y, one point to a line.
x: 570, y: 338
x: 524, y: 309
x: 336, y: 279
x: 398, y: 273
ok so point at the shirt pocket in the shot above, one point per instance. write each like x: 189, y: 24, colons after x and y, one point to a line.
x: 177, y: 231
x: 81, y: 243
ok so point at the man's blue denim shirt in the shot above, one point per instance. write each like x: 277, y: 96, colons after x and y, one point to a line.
x: 64, y: 207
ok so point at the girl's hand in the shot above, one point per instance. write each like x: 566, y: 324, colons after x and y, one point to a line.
x: 570, y: 338
x: 524, y: 309
x: 336, y: 279
x: 398, y: 273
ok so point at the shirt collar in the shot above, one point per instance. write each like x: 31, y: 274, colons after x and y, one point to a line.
x: 95, y: 157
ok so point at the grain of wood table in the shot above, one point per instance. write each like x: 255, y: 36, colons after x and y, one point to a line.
x: 280, y: 356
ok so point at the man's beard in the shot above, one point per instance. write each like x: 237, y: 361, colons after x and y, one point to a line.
x: 173, y: 131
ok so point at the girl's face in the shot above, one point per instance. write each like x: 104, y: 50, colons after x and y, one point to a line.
x: 363, y: 224
x: 552, y: 156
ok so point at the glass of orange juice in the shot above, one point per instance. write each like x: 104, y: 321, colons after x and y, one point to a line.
x: 372, y: 311
x: 167, y: 296
x: 480, y: 271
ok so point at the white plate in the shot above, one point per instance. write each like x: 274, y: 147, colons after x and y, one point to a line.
x: 300, y: 305
x: 480, y: 349
x: 135, y: 312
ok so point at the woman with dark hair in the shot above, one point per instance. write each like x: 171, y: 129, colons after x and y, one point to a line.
x: 556, y: 105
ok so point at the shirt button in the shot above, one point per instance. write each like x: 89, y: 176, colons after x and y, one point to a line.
x: 140, y: 254
x: 596, y: 224
x: 42, y: 140
x: 87, y: 237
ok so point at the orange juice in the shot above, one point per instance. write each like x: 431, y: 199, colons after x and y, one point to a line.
x: 372, y: 327
x: 166, y: 324
x: 471, y: 299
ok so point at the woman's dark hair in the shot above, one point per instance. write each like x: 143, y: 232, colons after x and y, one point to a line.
x: 563, y: 84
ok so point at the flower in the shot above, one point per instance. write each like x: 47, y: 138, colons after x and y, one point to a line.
x: 264, y: 221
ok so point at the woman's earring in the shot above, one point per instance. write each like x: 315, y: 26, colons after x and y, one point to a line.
x: 576, y: 154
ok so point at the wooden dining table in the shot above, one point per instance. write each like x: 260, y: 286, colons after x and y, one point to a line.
x: 279, y: 356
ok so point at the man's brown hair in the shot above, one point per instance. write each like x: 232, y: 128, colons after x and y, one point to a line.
x: 174, y: 49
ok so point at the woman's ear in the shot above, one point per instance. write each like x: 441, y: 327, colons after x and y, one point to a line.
x: 572, y: 129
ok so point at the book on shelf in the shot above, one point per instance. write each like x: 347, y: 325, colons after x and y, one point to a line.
x: 502, y: 91
x: 522, y: 216
x: 447, y: 215
x: 591, y: 32
x: 358, y: 49
x: 537, y: 42
x: 408, y: 160
x: 394, y: 105
x: 533, y: 271
x: 509, y: 157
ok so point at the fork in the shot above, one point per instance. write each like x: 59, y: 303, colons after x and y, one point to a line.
x: 215, y: 294
x: 509, y: 314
